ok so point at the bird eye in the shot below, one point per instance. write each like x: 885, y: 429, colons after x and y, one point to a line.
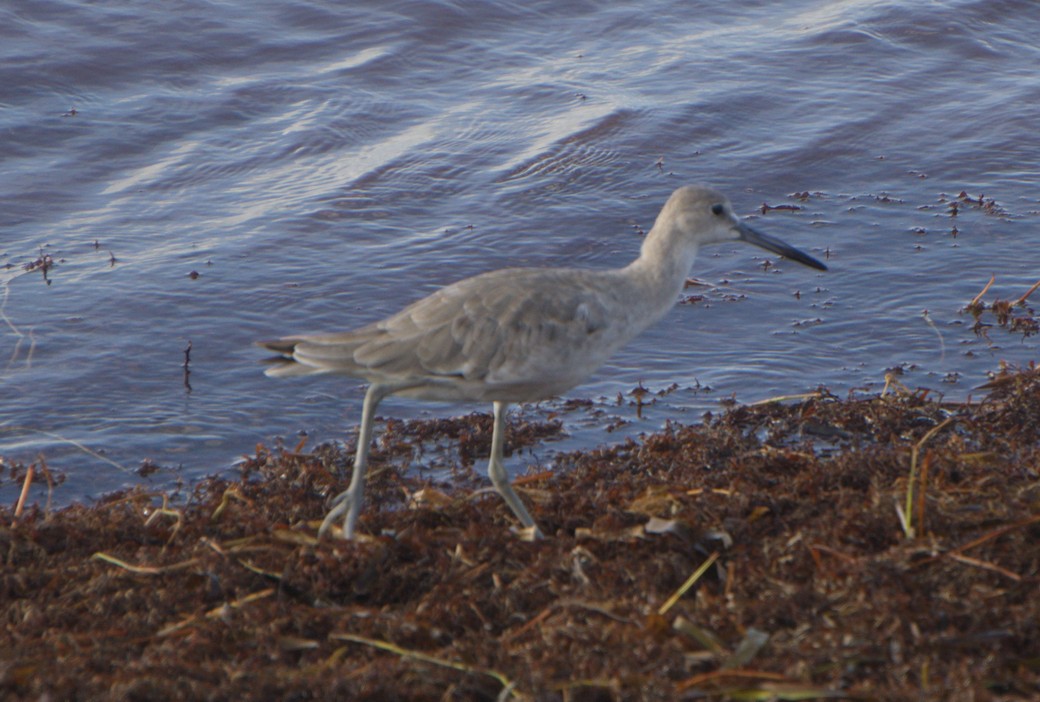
x: 717, y: 209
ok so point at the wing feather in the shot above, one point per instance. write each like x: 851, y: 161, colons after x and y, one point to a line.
x: 509, y: 327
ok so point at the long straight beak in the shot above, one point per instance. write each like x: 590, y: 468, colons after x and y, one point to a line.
x: 771, y: 243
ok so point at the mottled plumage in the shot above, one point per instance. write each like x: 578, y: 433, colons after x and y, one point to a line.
x: 517, y: 334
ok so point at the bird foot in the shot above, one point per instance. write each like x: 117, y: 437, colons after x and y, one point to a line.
x: 343, y: 505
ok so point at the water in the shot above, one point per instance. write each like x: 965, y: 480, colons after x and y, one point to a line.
x: 319, y: 166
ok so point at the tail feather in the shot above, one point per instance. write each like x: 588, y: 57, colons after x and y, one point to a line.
x: 283, y: 347
x: 283, y: 365
x: 302, y: 355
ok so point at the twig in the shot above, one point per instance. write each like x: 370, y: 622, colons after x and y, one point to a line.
x: 731, y: 673
x: 426, y: 658
x: 906, y: 517
x: 961, y: 558
x: 144, y: 570
x: 165, y: 511
x: 216, y: 612
x: 995, y: 533
x: 1022, y: 300
x: 19, y: 507
x: 140, y: 570
x: 975, y: 300
x: 784, y: 398
x: 529, y: 624
x: 921, y: 493
x: 890, y: 380
x: 231, y: 493
x: 670, y: 602
x: 816, y: 549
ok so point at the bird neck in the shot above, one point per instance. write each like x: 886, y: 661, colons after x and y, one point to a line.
x: 660, y: 272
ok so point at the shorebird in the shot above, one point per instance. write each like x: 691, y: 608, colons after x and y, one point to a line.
x: 516, y: 334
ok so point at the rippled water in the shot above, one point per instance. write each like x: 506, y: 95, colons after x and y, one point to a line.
x: 319, y: 166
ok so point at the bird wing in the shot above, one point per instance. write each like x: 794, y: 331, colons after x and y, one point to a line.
x: 510, y: 326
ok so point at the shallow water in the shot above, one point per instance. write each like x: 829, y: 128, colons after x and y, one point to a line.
x: 319, y: 167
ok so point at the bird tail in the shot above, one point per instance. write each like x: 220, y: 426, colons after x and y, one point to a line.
x: 283, y: 347
x: 284, y: 365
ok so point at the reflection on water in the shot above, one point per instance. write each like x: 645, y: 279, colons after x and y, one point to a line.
x: 312, y: 168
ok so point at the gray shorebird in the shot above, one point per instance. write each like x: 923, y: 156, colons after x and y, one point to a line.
x: 517, y: 334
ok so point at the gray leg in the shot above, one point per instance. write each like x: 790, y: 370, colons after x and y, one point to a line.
x: 498, y: 475
x: 348, y: 503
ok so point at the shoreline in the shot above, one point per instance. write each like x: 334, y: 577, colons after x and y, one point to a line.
x: 884, y: 547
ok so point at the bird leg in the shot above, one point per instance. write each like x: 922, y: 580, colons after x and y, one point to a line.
x: 348, y: 503
x: 497, y: 472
